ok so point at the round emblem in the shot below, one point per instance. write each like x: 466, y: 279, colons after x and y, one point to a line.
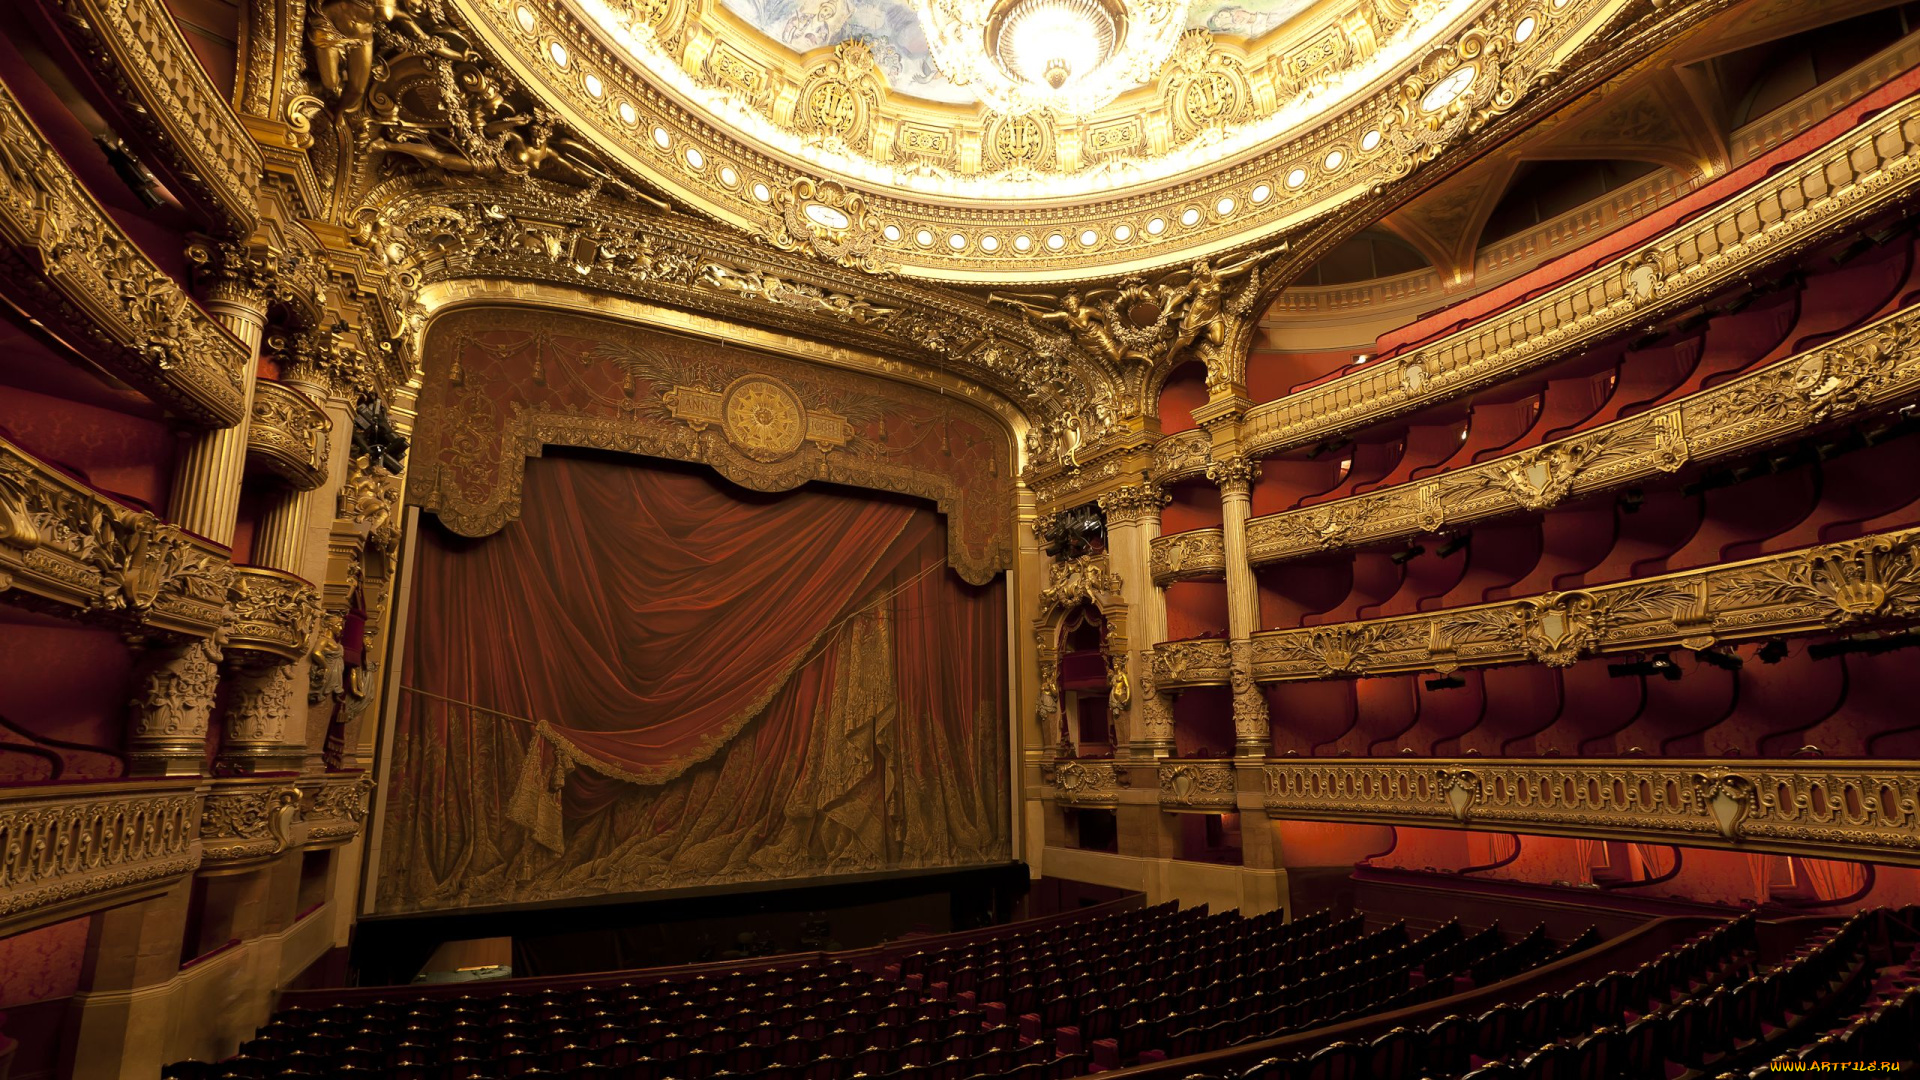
x: 764, y: 418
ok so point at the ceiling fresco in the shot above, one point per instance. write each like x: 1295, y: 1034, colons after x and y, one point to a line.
x: 892, y: 30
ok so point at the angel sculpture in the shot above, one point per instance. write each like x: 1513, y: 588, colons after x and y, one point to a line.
x: 1203, y: 290
x: 1090, y: 325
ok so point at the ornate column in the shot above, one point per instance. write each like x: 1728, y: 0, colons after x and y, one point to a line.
x: 1235, y: 475
x: 266, y: 709
x: 235, y: 283
x: 1135, y: 706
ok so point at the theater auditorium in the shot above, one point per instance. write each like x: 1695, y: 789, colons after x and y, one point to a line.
x: 959, y: 539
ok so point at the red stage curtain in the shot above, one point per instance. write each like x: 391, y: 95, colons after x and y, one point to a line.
x: 848, y: 688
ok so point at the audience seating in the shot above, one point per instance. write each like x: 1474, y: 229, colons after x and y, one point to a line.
x: 1093, y: 995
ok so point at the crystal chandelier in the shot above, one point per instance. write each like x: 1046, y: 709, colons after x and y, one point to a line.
x: 1072, y: 56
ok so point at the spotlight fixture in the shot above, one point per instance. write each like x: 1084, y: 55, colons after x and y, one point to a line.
x: 131, y: 172
x: 1453, y: 544
x: 1772, y: 652
x: 1361, y: 358
x: 1724, y: 659
x: 1657, y: 664
x: 1631, y: 500
x: 1448, y: 682
x: 1406, y: 555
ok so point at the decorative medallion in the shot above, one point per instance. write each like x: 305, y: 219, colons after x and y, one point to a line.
x: 763, y: 418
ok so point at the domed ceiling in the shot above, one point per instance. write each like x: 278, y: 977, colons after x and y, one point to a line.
x: 993, y: 141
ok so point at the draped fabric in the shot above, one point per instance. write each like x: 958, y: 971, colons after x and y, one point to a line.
x: 655, y: 680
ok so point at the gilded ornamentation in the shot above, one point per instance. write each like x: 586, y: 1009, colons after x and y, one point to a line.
x: 617, y: 386
x: 248, y: 821
x: 75, y: 270
x: 1179, y: 456
x: 1868, y: 578
x: 335, y: 807
x: 1189, y: 663
x: 1249, y: 704
x: 1155, y: 715
x: 1872, y: 579
x: 275, y: 615
x: 1086, y: 783
x: 1215, y: 130
x: 760, y: 285
x: 137, y: 49
x: 1133, y: 503
x: 289, y: 434
x: 1829, y: 809
x: 1336, y: 651
x: 63, y: 545
x: 1193, y: 784
x: 1085, y: 580
x: 370, y: 500
x: 170, y: 708
x: 74, y: 846
x: 763, y: 418
x: 1234, y: 476
x: 1199, y: 553
x: 432, y: 238
x: 1871, y: 368
x: 826, y: 220
x: 259, y: 713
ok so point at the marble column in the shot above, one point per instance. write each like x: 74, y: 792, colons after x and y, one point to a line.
x: 1235, y: 476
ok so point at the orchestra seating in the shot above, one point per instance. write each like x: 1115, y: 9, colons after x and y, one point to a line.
x: 1055, y: 1000
x: 1118, y: 989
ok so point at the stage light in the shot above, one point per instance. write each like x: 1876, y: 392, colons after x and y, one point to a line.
x: 1454, y: 544
x: 1449, y: 682
x: 1407, y: 555
x: 1631, y: 500
x: 1657, y: 664
x: 1772, y: 652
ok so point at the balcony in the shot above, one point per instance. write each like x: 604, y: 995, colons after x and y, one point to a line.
x: 274, y: 614
x: 1185, y: 556
x: 68, y: 849
x: 1826, y: 809
x: 71, y: 550
x: 154, y: 83
x: 288, y: 435
x: 69, y: 266
x: 1198, y: 785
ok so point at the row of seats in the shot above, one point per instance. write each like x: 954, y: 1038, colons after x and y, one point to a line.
x: 1704, y: 1008
x: 1087, y: 996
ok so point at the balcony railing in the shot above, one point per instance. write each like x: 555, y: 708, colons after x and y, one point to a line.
x: 1830, y: 809
x: 1872, y: 368
x: 137, y: 53
x: 67, y: 548
x: 1198, y: 785
x: 67, y: 264
x: 1853, y: 583
x: 70, y: 848
x: 274, y: 613
x: 288, y: 434
x: 1859, y: 175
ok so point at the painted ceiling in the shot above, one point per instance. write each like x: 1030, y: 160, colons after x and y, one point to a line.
x: 892, y: 30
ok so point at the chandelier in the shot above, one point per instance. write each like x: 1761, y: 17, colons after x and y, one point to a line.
x: 1072, y: 56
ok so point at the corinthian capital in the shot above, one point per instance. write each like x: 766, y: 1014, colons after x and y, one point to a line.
x: 1234, y: 475
x: 245, y: 275
x: 1133, y: 503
